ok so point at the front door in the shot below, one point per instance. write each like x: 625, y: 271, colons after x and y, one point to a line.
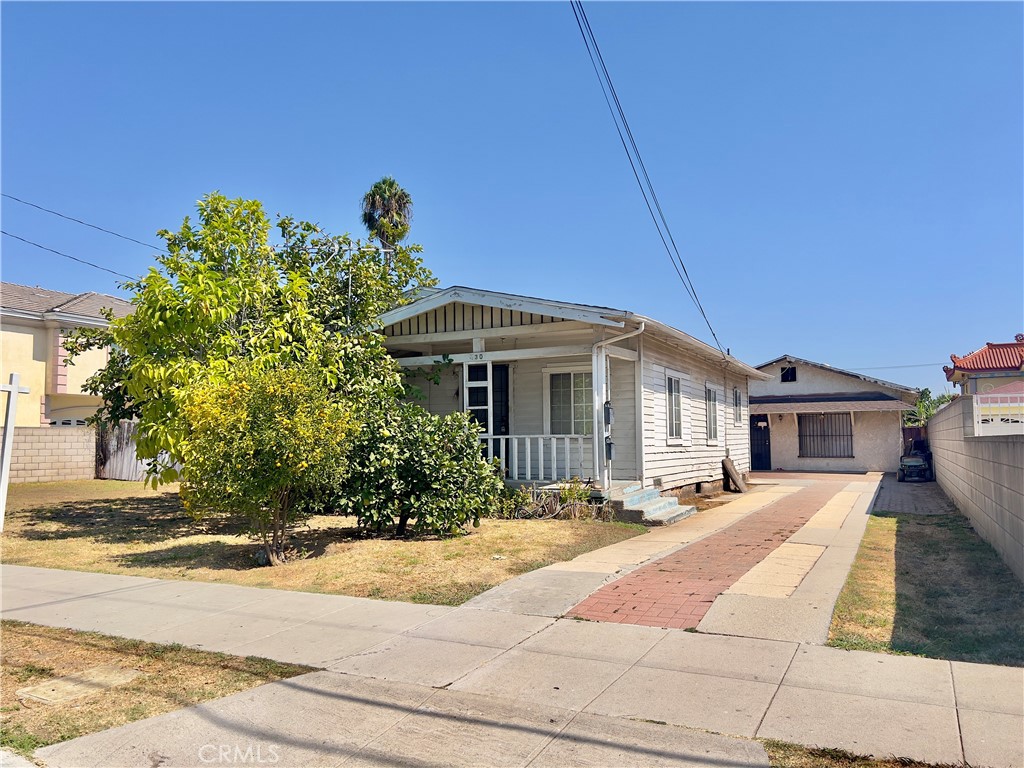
x: 760, y: 444
x: 487, y: 396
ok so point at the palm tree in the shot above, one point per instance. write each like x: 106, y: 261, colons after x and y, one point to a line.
x: 387, y: 211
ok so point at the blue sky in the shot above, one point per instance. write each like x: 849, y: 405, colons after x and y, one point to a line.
x: 845, y: 181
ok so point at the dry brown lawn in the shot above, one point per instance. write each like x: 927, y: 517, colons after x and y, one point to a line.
x: 172, y: 677
x: 117, y: 527
x: 783, y: 755
x: 929, y: 585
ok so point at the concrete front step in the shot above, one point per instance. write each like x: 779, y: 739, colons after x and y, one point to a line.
x: 660, y: 510
x: 669, y: 516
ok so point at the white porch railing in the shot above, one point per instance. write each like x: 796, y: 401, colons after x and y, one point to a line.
x: 541, y: 458
x: 999, y: 414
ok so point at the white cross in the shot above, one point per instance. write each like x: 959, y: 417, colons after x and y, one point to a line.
x: 13, y: 390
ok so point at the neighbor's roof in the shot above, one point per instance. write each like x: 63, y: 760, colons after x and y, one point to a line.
x: 837, y: 402
x: 990, y: 358
x: 431, y: 298
x: 37, y: 302
x: 827, y: 367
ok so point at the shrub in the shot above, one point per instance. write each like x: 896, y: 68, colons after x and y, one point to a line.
x: 257, y: 442
x: 408, y: 465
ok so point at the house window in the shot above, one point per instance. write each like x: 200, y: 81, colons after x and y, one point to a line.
x: 674, y: 395
x: 711, y: 400
x: 788, y: 373
x: 737, y: 406
x: 572, y: 403
x: 826, y: 435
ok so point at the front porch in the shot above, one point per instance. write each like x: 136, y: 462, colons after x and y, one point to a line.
x: 555, y: 388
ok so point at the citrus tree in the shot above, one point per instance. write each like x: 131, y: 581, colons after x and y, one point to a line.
x: 223, y: 296
x: 256, y: 442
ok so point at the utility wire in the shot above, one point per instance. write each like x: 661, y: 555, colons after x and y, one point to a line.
x: 646, y: 186
x: 66, y: 256
x: 79, y: 221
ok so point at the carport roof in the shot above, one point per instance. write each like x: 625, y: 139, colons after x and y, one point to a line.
x: 833, y: 402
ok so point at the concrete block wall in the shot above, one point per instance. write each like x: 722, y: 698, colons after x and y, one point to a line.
x: 983, y: 476
x: 42, y: 454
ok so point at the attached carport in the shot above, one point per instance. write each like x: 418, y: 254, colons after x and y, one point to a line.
x: 841, y: 432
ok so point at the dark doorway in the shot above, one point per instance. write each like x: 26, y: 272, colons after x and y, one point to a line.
x: 760, y: 444
x: 499, y: 398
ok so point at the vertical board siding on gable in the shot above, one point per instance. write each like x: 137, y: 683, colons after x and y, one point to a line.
x: 698, y: 461
x: 465, y: 317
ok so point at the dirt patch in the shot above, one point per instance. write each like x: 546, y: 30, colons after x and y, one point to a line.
x: 928, y: 585
x: 123, y: 528
x: 171, y: 677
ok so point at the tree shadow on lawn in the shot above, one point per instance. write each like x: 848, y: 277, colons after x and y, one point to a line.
x: 955, y: 598
x: 304, y: 542
x: 145, y: 519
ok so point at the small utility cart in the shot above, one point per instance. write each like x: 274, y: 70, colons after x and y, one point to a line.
x: 916, y: 463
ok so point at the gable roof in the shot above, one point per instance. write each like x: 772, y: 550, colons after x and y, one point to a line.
x: 33, y: 301
x: 428, y: 299
x: 991, y: 358
x: 831, y: 369
x: 432, y: 298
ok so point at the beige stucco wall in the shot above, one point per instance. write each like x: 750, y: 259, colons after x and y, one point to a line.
x: 877, y: 444
x: 812, y: 381
x: 984, y: 477
x: 42, y: 454
x: 85, y: 365
x: 24, y: 350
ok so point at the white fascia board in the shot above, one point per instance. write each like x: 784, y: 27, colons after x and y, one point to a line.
x: 71, y: 320
x: 704, y: 351
x: 498, y: 356
x: 566, y: 311
x: 851, y: 374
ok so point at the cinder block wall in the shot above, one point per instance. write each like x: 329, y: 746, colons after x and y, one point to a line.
x: 42, y: 454
x: 983, y: 476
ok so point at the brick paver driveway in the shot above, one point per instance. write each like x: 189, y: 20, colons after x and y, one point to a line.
x: 677, y: 590
x: 916, y: 498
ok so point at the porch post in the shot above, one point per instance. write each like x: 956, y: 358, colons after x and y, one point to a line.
x: 596, y: 381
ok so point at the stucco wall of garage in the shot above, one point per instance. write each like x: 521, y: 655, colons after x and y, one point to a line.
x: 877, y: 444
x: 983, y: 476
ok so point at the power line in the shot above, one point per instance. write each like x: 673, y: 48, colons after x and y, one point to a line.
x: 79, y: 221
x: 646, y: 186
x: 66, y: 256
x: 890, y: 367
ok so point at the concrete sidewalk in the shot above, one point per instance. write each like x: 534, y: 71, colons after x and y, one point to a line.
x: 496, y: 687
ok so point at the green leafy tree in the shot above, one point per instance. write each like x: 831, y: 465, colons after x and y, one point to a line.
x: 387, y: 211
x: 257, y: 441
x: 925, y: 408
x: 410, y: 467
x: 223, y: 296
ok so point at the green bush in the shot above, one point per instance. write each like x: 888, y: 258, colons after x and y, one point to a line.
x: 410, y: 466
x: 257, y: 442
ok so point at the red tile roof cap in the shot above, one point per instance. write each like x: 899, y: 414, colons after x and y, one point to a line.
x: 991, y: 357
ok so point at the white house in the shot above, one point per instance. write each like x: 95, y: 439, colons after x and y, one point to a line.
x: 565, y: 390
x: 813, y: 417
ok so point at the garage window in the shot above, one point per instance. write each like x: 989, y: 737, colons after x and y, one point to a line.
x: 826, y: 435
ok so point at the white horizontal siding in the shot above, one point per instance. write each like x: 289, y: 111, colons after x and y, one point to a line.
x: 698, y: 461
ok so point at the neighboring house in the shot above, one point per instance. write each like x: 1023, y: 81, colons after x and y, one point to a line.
x: 565, y: 390
x: 33, y: 325
x: 988, y: 368
x: 809, y: 416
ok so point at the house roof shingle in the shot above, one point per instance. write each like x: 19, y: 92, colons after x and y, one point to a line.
x: 992, y: 357
x: 42, y: 300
